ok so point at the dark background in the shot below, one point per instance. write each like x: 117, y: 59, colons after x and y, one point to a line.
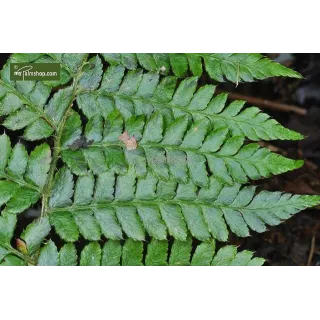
x: 295, y: 242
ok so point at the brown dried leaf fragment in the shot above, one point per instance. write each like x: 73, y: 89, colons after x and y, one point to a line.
x: 131, y: 143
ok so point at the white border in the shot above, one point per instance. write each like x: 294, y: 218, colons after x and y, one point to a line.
x: 159, y: 26
x: 159, y: 293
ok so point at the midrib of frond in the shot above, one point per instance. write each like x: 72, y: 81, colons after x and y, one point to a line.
x: 159, y: 202
x: 144, y: 146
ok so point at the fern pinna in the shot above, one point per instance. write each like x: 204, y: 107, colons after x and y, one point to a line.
x: 135, y: 163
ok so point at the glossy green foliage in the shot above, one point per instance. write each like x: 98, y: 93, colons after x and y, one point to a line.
x: 31, y: 239
x: 22, y: 175
x: 138, y: 93
x: 119, y: 206
x: 182, y: 151
x: 130, y: 253
x: 139, y: 164
x: 235, y: 67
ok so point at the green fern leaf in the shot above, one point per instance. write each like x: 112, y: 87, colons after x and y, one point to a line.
x: 68, y: 255
x: 203, y: 254
x: 181, y: 253
x: 91, y: 75
x: 49, y: 255
x: 91, y: 255
x: 181, y: 151
x: 143, y: 166
x: 157, y: 254
x: 7, y: 226
x: 135, y: 207
x: 3, y: 253
x: 138, y: 93
x: 12, y: 260
x: 34, y: 234
x: 22, y: 176
x: 111, y: 253
x: 235, y: 67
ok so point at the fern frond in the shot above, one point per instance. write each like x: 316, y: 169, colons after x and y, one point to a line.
x: 23, y: 103
x: 138, y: 93
x: 30, y: 250
x: 235, y: 67
x: 22, y: 176
x: 145, y: 156
x: 113, y: 253
x: 180, y: 151
x: 112, y: 205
